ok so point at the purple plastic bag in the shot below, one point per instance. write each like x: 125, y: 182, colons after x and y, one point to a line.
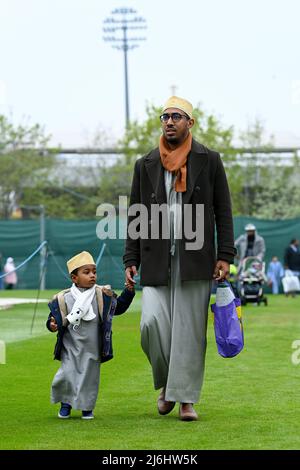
x: 228, y: 328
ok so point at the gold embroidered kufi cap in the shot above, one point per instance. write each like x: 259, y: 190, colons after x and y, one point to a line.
x: 179, y: 103
x: 79, y: 260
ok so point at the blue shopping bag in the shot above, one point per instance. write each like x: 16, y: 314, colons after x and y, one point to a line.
x: 228, y: 324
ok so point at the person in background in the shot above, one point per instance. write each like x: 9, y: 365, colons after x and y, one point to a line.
x: 11, y: 278
x: 292, y: 257
x: 274, y: 274
x: 250, y: 244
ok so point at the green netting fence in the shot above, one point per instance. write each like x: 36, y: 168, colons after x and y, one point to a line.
x: 19, y: 239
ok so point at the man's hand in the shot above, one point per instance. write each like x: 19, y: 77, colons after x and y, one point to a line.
x: 53, y: 324
x: 221, y: 270
x: 130, y: 272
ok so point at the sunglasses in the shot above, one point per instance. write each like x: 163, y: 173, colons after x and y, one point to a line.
x: 176, y: 117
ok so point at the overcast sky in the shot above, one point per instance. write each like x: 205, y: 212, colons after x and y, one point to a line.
x: 238, y: 58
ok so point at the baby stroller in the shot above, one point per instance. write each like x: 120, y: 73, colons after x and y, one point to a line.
x: 251, y: 280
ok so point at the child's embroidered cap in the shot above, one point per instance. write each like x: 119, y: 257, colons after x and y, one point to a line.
x: 79, y: 260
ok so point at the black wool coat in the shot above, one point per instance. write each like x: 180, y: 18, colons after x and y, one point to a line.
x: 206, y: 185
x: 292, y: 259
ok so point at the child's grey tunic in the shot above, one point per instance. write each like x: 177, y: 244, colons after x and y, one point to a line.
x: 77, y: 380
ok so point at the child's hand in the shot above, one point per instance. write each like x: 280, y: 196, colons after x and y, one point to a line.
x: 129, y: 285
x: 53, y: 324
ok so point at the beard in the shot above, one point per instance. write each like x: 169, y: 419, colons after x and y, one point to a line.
x: 173, y: 139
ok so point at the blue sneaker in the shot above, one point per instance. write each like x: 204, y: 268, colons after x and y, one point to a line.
x: 65, y: 411
x: 87, y: 415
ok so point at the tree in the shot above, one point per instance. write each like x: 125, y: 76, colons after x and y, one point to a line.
x: 270, y: 188
x: 140, y: 138
x: 23, y: 163
x: 277, y: 196
x: 31, y: 175
x: 254, y: 168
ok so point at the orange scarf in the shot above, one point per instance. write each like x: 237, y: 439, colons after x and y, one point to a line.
x: 175, y: 160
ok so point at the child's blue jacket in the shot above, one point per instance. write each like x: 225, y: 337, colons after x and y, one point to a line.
x: 112, y: 305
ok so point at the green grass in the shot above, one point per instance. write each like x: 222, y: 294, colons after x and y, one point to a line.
x: 248, y: 402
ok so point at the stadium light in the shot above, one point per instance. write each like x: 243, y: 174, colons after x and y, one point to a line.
x: 118, y: 30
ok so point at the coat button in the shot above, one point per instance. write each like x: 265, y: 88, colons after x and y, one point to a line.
x: 197, y: 188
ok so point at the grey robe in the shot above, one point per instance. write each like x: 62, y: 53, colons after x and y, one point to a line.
x: 174, y: 322
x: 77, y: 380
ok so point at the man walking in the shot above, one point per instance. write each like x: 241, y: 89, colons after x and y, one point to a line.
x: 292, y: 257
x: 250, y: 244
x: 177, y: 267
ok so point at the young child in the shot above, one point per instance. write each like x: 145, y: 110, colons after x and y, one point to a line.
x: 11, y: 278
x: 275, y: 274
x: 82, y: 316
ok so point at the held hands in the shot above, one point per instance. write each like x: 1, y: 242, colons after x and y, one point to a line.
x: 53, y: 324
x: 221, y: 271
x: 130, y: 272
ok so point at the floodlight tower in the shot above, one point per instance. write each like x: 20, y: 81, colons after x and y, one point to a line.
x: 121, y: 23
